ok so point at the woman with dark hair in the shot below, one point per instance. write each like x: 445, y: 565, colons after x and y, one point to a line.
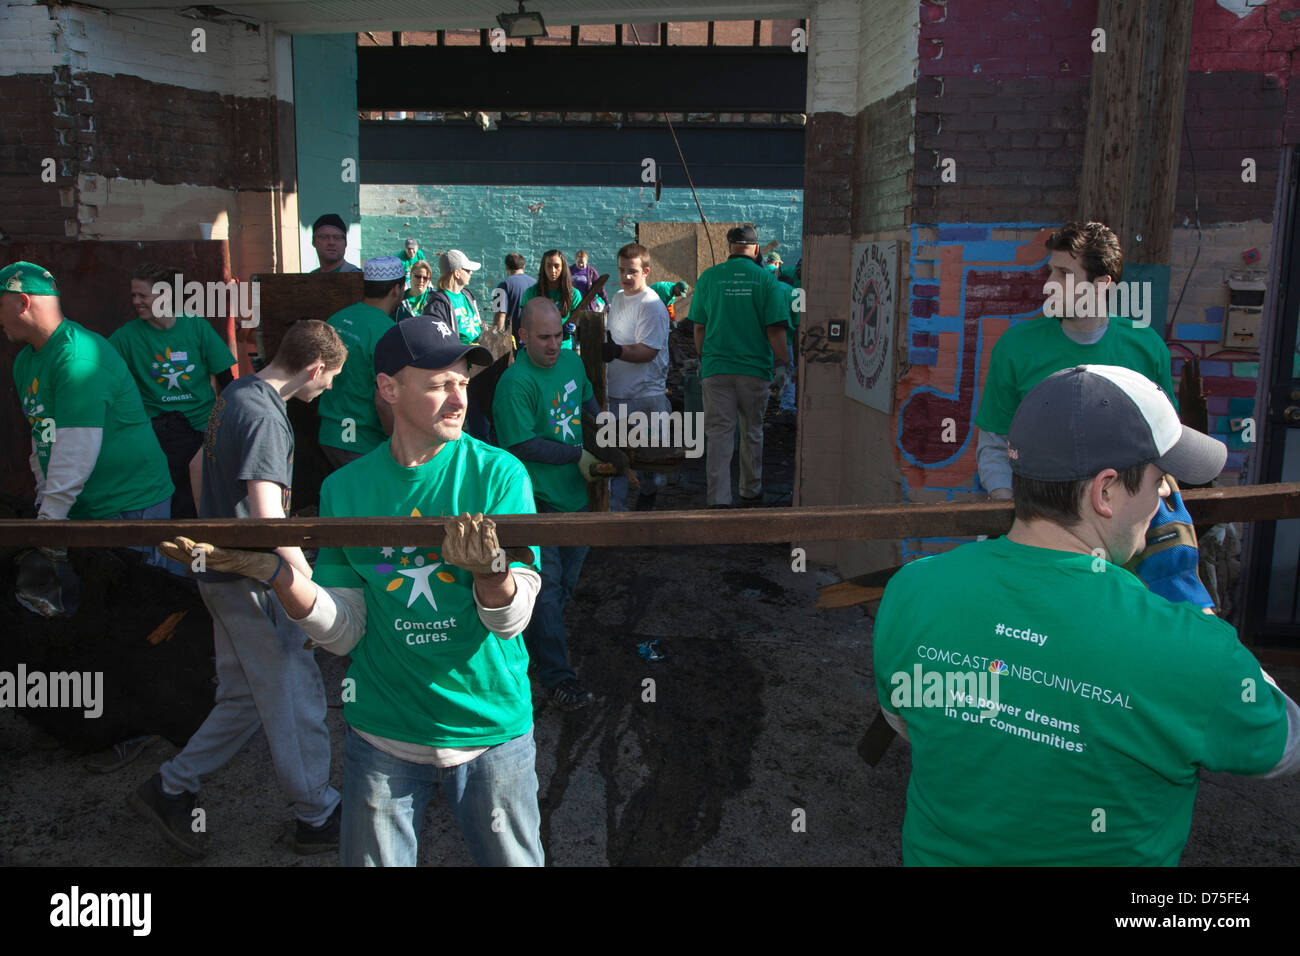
x: 417, y: 296
x: 554, y: 282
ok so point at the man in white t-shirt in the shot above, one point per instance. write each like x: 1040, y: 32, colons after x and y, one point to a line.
x: 636, y: 349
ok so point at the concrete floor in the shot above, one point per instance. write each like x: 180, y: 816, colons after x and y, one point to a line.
x: 757, y: 714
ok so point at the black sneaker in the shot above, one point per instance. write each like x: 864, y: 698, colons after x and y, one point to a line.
x: 571, y: 695
x: 307, y: 840
x: 645, y: 502
x: 172, y: 817
x: 754, y: 502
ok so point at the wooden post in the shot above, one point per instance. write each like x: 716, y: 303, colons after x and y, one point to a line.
x: 1135, y: 123
x: 591, y: 338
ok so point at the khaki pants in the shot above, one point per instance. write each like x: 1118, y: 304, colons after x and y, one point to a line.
x: 728, y: 398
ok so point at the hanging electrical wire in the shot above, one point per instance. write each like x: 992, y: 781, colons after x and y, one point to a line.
x: 690, y: 182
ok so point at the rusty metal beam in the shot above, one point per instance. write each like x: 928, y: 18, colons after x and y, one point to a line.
x: 757, y: 526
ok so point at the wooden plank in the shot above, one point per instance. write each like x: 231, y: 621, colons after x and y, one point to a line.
x: 633, y: 529
x: 846, y: 594
x: 591, y: 338
x: 285, y: 299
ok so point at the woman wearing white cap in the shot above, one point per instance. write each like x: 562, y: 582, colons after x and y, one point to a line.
x: 452, y: 301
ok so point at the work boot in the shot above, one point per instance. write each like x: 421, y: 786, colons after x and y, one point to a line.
x: 171, y: 816
x: 570, y: 695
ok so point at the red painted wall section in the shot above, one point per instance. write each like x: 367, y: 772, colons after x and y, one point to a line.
x: 985, y: 38
x: 1262, y: 41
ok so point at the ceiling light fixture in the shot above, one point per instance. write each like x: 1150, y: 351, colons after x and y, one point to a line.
x: 522, y: 24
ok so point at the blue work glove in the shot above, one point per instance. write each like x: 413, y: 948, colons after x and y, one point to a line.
x: 1167, y: 566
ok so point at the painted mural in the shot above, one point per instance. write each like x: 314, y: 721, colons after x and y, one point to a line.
x: 968, y: 284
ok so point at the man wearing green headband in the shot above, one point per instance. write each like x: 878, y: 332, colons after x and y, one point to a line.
x: 94, y: 453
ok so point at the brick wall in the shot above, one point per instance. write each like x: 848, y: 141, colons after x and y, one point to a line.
x: 487, y: 222
x: 1230, y: 117
x: 150, y: 137
x: 882, y: 163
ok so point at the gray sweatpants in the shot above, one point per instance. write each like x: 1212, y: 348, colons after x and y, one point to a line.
x: 266, y: 679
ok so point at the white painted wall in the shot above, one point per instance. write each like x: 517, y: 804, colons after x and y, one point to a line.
x: 887, y: 49
x: 152, y: 45
x: 861, y: 51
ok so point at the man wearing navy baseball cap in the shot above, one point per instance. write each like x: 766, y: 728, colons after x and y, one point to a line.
x: 1060, y: 711
x: 437, y: 692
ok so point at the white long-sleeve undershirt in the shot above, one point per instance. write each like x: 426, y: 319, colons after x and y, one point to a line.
x: 337, y: 622
x: 73, y: 455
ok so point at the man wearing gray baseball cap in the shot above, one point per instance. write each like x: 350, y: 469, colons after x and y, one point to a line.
x: 1059, y: 711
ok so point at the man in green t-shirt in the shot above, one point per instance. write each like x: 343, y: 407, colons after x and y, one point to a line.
x: 669, y: 292
x: 410, y: 255
x: 740, y: 317
x: 1084, y: 258
x: 179, y: 364
x: 537, y: 411
x: 437, y: 693
x: 1059, y: 712
x: 353, y: 418
x: 94, y: 454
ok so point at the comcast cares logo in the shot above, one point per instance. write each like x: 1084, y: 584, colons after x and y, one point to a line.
x: 998, y: 667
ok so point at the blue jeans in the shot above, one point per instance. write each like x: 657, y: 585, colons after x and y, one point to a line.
x: 159, y: 512
x: 544, y: 636
x: 493, y: 798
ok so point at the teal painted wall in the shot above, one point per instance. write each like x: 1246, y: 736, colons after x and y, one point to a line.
x: 487, y: 222
x: 327, y: 131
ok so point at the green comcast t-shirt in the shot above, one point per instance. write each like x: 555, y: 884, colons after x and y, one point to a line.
x: 171, y: 366
x: 353, y: 393
x: 1112, y: 711
x: 534, y: 402
x: 427, y: 671
x: 736, y: 301
x: 1028, y: 353
x: 467, y: 319
x: 664, y: 290
x: 77, y: 380
x: 554, y: 296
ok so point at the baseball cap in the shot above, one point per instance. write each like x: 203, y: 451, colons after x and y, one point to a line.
x: 28, y: 277
x: 423, y: 342
x: 1083, y: 420
x: 330, y: 219
x: 383, y: 269
x: 411, y: 243
x: 744, y: 234
x: 455, y: 259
